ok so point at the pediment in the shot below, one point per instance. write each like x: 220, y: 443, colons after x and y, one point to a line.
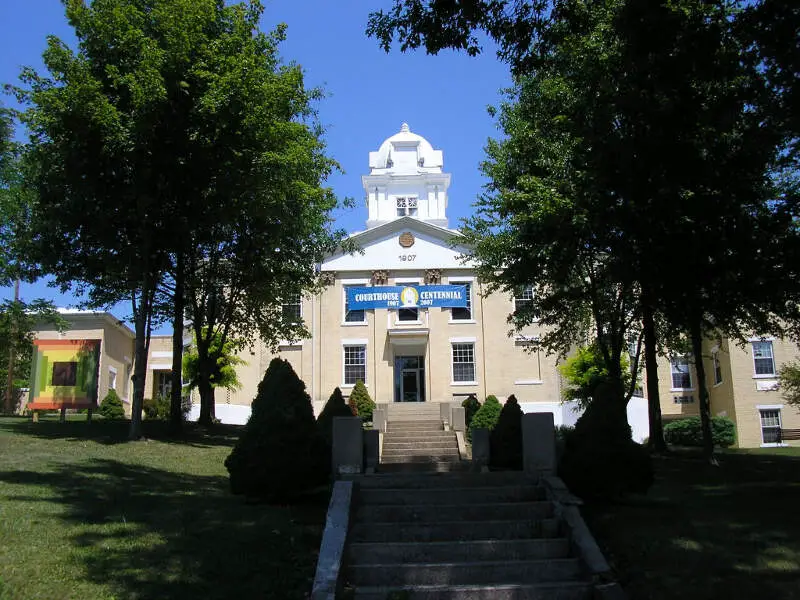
x: 401, y: 244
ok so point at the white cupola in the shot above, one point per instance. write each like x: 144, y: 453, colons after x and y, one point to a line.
x: 406, y: 180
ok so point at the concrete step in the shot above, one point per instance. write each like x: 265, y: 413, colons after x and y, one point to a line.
x: 411, y: 418
x: 427, y: 457
x: 455, y: 495
x: 419, y: 513
x: 420, y: 426
x: 447, y: 531
x: 425, y: 468
x: 412, y: 445
x: 507, y: 591
x: 373, y: 553
x: 427, y: 481
x: 451, y: 449
x: 416, y: 435
x: 465, y: 573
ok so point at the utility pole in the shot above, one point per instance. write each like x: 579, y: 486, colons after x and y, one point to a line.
x: 9, y: 407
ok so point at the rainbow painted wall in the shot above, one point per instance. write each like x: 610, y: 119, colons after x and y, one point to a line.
x: 64, y: 373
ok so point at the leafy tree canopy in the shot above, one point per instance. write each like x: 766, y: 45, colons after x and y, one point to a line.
x: 225, y: 358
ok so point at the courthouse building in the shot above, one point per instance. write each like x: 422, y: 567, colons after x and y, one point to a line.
x: 407, y: 316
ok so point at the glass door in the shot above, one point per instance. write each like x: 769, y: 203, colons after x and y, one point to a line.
x: 409, y: 379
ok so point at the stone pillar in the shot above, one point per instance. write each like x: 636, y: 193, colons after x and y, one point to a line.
x: 379, y: 420
x: 459, y: 417
x: 372, y: 443
x: 348, y: 445
x: 444, y: 413
x: 538, y: 444
x: 480, y: 449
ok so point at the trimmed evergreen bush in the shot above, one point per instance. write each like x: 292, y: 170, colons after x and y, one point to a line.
x: 506, y: 438
x: 471, y: 406
x: 600, y: 458
x: 334, y: 407
x: 360, y: 402
x: 280, y: 454
x: 689, y: 432
x: 486, y: 416
x: 159, y: 408
x: 111, y: 406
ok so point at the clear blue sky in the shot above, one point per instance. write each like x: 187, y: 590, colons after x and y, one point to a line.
x: 369, y: 93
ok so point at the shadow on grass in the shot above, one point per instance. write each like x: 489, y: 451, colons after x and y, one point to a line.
x: 116, y: 432
x: 151, y: 533
x: 727, y: 532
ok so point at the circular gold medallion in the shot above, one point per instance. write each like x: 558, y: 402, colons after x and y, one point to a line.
x: 406, y: 239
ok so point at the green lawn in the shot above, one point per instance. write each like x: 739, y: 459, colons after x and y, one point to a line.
x: 86, y: 515
x: 728, y: 532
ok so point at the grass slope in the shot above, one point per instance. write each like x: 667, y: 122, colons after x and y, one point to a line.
x: 730, y: 532
x: 86, y: 515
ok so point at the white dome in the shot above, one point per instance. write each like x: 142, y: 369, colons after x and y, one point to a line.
x: 403, y: 145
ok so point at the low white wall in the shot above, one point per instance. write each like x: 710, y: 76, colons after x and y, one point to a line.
x: 567, y: 413
x: 230, y: 414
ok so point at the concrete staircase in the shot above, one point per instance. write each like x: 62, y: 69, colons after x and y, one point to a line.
x: 415, y: 441
x: 458, y: 535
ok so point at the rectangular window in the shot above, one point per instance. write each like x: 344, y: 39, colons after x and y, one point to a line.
x: 406, y: 207
x: 353, y: 316
x: 763, y: 359
x: 164, y: 383
x: 292, y: 310
x: 681, y: 374
x: 683, y: 399
x: 717, y: 368
x: 459, y: 313
x: 770, y: 425
x: 464, y: 362
x: 127, y: 381
x: 355, y: 364
x: 112, y: 378
x: 65, y: 373
x: 523, y: 298
x: 408, y: 314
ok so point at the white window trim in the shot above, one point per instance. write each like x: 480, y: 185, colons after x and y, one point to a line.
x: 779, y: 408
x: 345, y: 284
x: 528, y: 382
x: 774, y: 374
x: 459, y: 281
x: 691, y: 377
x: 715, y: 359
x: 394, y: 315
x: 407, y: 209
x: 355, y: 342
x: 514, y: 304
x: 415, y: 280
x: 114, y: 371
x: 464, y: 340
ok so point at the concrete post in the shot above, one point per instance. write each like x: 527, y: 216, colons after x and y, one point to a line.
x: 538, y: 444
x: 371, y: 450
x: 444, y: 413
x: 379, y: 419
x: 348, y: 445
x: 459, y: 419
x: 480, y: 449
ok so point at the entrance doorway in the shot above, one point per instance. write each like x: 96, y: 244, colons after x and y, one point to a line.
x: 409, y: 379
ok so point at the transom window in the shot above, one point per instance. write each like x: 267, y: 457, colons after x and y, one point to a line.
x: 464, y: 362
x: 770, y: 425
x: 291, y: 310
x: 406, y: 206
x: 523, y: 298
x: 355, y: 364
x: 681, y: 373
x: 463, y: 313
x: 763, y: 359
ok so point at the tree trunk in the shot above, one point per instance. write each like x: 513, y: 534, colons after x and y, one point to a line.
x: 206, y: 401
x: 176, y: 409
x: 12, y: 344
x: 139, y: 371
x: 656, y: 439
x: 702, y: 391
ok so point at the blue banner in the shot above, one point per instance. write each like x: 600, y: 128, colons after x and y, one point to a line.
x: 408, y: 296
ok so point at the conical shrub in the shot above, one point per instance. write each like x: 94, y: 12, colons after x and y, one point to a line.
x: 506, y: 437
x: 471, y: 406
x: 360, y: 402
x: 280, y: 453
x: 486, y: 417
x: 111, y: 407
